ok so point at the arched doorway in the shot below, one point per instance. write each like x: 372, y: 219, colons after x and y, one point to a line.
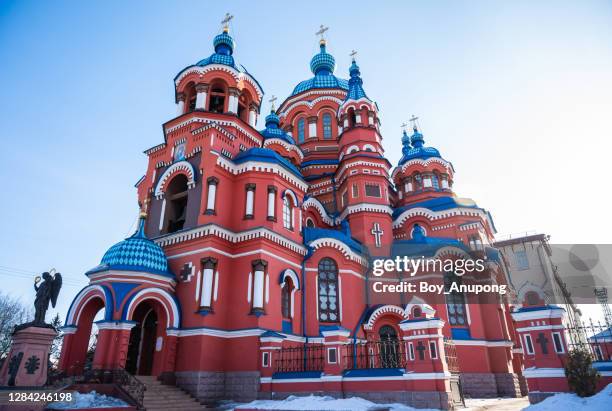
x: 389, y: 347
x: 143, y: 340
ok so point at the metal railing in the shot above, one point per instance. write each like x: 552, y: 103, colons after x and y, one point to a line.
x: 300, y: 358
x: 596, y: 338
x: 450, y: 353
x: 370, y: 354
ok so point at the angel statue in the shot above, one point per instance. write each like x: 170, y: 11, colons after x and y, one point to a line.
x: 45, y: 292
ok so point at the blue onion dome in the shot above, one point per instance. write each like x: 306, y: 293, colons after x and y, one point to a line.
x: 418, y: 149
x: 356, y: 90
x: 224, y: 44
x: 323, y: 63
x: 322, y: 66
x: 224, y: 48
x: 273, y: 130
x: 135, y: 253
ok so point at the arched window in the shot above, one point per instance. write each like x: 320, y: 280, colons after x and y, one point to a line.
x: 176, y: 204
x: 352, y: 117
x: 286, y: 298
x: 301, y: 126
x: 328, y: 291
x: 217, y: 98
x: 532, y: 298
x: 310, y: 223
x: 327, y: 126
x: 455, y: 301
x: 287, y: 213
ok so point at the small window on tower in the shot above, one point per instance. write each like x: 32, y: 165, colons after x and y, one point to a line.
x: 217, y: 99
x: 372, y: 190
x: 345, y: 198
x: 301, y: 130
x: 327, y: 126
x: 355, y: 190
x: 522, y: 262
x: 192, y: 103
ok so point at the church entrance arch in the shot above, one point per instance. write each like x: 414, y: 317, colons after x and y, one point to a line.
x: 146, y: 339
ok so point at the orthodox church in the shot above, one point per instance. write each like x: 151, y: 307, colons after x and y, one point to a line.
x: 248, y: 274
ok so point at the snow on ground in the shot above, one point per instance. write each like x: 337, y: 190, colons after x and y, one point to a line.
x: 319, y: 403
x: 89, y: 400
x: 602, y: 401
x: 497, y: 404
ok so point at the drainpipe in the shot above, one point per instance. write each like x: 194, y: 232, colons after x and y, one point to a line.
x: 309, y: 252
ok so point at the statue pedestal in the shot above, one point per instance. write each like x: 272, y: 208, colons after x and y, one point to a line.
x: 27, y: 362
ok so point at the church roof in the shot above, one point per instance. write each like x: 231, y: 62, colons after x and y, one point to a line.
x: 435, y: 204
x: 266, y: 155
x: 356, y: 90
x: 322, y: 66
x: 135, y: 253
x: 311, y: 234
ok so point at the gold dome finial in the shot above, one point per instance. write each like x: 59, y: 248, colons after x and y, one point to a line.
x: 226, y: 20
x: 321, y: 32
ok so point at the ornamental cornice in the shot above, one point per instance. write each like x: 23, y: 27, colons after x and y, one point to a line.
x: 230, y: 236
x: 316, y: 204
x: 438, y: 215
x: 285, y: 145
x: 309, y: 104
x: 367, y: 207
x: 448, y: 166
x: 385, y: 309
x: 325, y: 92
x: 237, y: 75
x: 340, y: 246
x: 261, y: 167
x: 216, y: 123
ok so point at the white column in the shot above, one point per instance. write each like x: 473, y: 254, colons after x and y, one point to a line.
x: 252, y: 117
x: 212, y: 194
x: 339, y: 130
x: 180, y: 107
x: 207, y: 281
x: 312, y: 127
x: 444, y: 183
x: 357, y: 118
x: 371, y: 119
x: 250, y: 199
x: 271, y: 203
x: 258, y: 284
x: 202, y: 90
x: 408, y: 187
x: 233, y: 100
x: 346, y: 122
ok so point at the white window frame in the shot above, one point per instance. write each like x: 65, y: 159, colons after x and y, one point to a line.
x: 411, y: 351
x: 531, y: 351
x: 335, y: 351
x: 558, y: 334
x: 287, y: 213
x: 433, y: 349
x: 265, y: 359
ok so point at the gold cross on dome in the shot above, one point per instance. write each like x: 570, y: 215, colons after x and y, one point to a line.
x: 226, y: 20
x: 353, y: 54
x: 413, y: 120
x: 272, y: 101
x: 322, y: 31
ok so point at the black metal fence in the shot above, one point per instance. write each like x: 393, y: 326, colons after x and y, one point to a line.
x: 595, y: 338
x: 384, y: 353
x: 300, y: 358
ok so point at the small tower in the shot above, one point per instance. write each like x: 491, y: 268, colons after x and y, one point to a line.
x: 363, y: 172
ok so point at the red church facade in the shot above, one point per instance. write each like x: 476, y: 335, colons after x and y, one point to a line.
x: 248, y: 274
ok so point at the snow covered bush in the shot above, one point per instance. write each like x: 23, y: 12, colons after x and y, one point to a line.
x: 581, y: 376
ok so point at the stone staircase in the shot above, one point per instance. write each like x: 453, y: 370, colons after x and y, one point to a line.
x: 160, y: 397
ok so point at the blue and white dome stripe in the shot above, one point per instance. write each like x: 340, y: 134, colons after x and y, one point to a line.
x: 136, y: 253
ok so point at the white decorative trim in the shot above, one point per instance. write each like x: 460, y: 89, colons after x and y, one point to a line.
x: 384, y: 310
x: 69, y: 329
x: 438, y: 215
x: 167, y: 301
x: 115, y: 325
x: 294, y: 278
x: 421, y: 325
x: 448, y: 166
x: 336, y: 333
x: 76, y: 304
x: 231, y: 236
x: 484, y: 343
x: 366, y: 207
x: 262, y: 167
x: 406, y: 376
x: 285, y: 145
x: 541, y: 327
x: 308, y: 104
x: 538, y: 314
x: 178, y: 166
x: 313, y: 202
x: 237, y: 75
x: 340, y: 246
x: 131, y: 277
x: 534, y: 372
x: 423, y: 336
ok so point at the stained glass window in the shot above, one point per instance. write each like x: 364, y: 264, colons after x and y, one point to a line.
x: 455, y: 301
x: 328, y: 291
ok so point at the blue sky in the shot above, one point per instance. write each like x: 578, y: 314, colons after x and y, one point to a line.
x: 516, y: 94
